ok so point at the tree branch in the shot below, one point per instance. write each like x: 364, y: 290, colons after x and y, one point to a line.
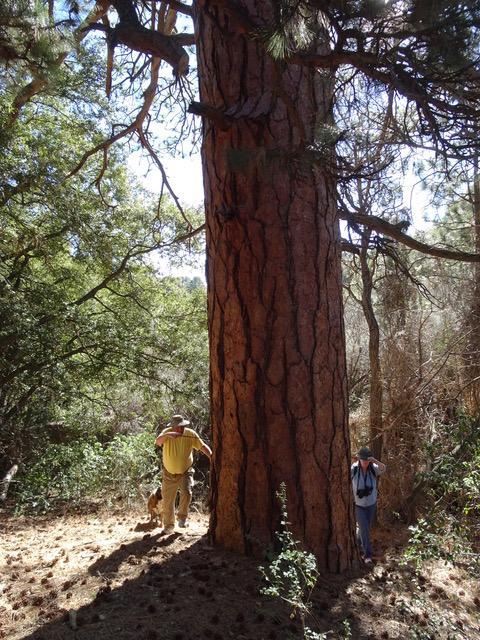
x: 111, y: 276
x: 394, y: 232
x: 131, y: 33
x: 217, y: 116
x: 349, y: 247
x: 41, y: 82
x: 180, y: 7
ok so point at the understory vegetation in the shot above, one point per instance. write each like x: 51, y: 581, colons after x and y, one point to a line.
x: 100, y: 341
x: 448, y: 526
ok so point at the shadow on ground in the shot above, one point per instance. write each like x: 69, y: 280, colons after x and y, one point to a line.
x: 178, y: 587
x: 196, y: 592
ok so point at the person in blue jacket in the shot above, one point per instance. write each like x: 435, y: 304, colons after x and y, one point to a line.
x: 363, y: 474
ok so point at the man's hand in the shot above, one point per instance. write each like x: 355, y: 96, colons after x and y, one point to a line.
x: 382, y: 467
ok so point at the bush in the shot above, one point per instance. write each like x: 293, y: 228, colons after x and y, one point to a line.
x: 68, y: 474
x: 449, y: 529
x: 292, y: 574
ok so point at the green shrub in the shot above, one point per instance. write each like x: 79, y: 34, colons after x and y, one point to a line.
x: 292, y: 574
x: 449, y: 529
x: 69, y: 474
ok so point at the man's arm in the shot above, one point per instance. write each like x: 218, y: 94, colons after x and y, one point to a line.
x: 381, y: 467
x: 164, y: 436
x: 205, y: 449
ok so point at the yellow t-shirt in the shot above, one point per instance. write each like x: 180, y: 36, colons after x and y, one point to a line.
x: 178, y: 452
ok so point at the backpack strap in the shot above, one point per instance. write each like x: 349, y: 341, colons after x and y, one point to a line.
x: 370, y: 469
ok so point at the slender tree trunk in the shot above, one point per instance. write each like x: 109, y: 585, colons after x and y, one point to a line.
x: 376, y: 388
x: 278, y: 382
x: 401, y: 431
x: 475, y: 307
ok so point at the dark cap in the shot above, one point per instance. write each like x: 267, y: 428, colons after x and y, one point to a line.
x: 364, y: 453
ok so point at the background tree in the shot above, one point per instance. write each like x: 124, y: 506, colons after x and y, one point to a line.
x: 93, y: 341
x: 459, y: 219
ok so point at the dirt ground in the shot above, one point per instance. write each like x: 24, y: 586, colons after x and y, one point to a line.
x: 107, y: 575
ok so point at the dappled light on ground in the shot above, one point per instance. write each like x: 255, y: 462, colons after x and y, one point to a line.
x: 112, y: 575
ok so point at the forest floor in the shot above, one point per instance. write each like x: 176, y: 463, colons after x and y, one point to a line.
x: 108, y: 575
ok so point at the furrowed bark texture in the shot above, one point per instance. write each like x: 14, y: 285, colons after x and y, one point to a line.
x: 278, y: 390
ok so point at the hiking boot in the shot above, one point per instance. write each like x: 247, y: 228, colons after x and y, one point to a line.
x: 182, y: 523
x: 170, y: 528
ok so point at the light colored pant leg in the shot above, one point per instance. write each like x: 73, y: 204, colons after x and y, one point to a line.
x: 186, y: 486
x: 170, y: 485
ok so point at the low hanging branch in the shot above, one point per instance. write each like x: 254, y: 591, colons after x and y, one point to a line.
x: 393, y: 231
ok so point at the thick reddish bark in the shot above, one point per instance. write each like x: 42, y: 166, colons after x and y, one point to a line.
x: 278, y: 390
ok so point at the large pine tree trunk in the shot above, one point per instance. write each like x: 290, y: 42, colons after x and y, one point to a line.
x: 278, y: 383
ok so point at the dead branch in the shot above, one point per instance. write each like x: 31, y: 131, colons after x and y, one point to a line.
x: 393, y: 231
x: 217, y: 116
x: 180, y: 7
x: 135, y: 126
x: 146, y: 145
x: 349, y: 247
x: 7, y: 480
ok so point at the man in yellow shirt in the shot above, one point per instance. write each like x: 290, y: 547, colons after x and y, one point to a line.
x: 178, y: 444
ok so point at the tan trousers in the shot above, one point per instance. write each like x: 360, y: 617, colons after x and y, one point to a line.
x: 171, y: 483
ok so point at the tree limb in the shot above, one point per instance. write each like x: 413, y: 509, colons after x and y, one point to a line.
x: 41, y: 81
x: 130, y: 32
x: 180, y: 7
x: 394, y: 232
x: 111, y: 276
x: 349, y: 247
